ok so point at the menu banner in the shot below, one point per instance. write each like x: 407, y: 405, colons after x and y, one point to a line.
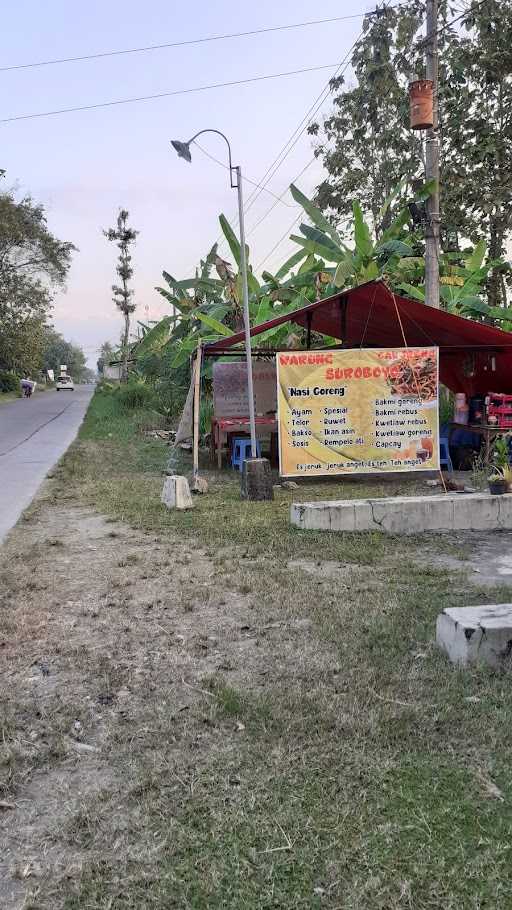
x: 230, y: 398
x: 360, y: 411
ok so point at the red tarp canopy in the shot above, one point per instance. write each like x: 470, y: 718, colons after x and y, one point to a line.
x: 474, y: 358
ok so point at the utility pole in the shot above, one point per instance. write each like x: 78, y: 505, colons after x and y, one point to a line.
x: 432, y: 164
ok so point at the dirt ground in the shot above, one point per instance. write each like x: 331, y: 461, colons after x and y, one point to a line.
x: 107, y: 630
x: 124, y: 658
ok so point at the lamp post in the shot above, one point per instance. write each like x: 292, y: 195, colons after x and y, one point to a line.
x: 183, y: 150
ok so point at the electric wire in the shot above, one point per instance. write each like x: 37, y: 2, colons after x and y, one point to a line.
x: 304, y: 123
x: 292, y: 141
x: 279, y: 242
x: 245, y: 177
x: 185, y: 43
x: 443, y: 28
x: 185, y: 91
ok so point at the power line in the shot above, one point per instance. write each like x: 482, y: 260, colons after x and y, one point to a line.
x: 291, y: 142
x: 279, y: 242
x: 443, y: 28
x: 186, y: 43
x: 184, y: 91
x: 304, y: 123
x: 280, y: 199
x: 306, y: 120
x: 246, y: 178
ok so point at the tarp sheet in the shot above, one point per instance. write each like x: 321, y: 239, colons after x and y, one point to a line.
x: 474, y: 358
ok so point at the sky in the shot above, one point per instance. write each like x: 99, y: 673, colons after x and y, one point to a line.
x: 84, y: 166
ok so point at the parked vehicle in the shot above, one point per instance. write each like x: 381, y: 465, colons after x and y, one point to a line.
x: 65, y: 383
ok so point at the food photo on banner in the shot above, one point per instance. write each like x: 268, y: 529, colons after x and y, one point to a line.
x: 359, y: 411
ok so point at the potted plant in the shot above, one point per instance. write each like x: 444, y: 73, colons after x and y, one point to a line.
x: 502, y: 473
x: 498, y: 485
x: 507, y: 476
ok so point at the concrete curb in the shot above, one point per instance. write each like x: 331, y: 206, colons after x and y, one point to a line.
x: 407, y: 514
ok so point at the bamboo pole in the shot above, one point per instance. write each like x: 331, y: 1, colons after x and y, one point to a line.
x: 199, y: 484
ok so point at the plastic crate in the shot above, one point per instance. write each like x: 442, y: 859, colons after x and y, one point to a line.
x: 500, y: 406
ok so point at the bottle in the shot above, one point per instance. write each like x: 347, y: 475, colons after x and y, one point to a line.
x: 461, y: 412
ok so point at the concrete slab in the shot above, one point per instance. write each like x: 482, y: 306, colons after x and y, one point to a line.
x: 476, y: 634
x: 407, y: 514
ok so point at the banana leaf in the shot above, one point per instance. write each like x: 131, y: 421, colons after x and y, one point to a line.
x: 232, y: 239
x: 425, y: 191
x: 214, y: 324
x: 309, y: 265
x: 393, y: 194
x: 179, y: 287
x: 411, y: 262
x: 394, y: 246
x: 475, y: 260
x: 368, y: 272
x: 344, y: 271
x: 473, y: 305
x: 155, y: 338
x: 412, y: 291
x: 311, y: 247
x: 312, y: 233
x: 183, y: 304
x: 396, y: 227
x: 289, y: 264
x: 498, y: 312
x: 364, y: 244
x: 315, y: 214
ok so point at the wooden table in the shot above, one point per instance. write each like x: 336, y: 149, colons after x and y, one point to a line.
x: 224, y: 427
x: 488, y: 434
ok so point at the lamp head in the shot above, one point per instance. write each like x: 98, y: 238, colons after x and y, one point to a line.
x: 182, y: 148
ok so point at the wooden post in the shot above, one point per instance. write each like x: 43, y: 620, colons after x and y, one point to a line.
x: 199, y: 484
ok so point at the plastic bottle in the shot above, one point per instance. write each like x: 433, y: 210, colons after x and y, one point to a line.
x: 461, y: 411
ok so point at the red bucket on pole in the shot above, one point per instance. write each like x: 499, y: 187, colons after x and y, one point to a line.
x: 421, y: 100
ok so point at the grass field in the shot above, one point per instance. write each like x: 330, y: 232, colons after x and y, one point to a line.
x: 295, y: 741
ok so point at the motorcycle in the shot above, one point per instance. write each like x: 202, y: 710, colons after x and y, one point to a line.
x: 27, y: 388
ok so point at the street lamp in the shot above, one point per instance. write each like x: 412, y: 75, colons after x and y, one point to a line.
x: 183, y: 151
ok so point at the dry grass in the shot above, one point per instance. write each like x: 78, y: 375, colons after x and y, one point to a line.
x: 211, y: 710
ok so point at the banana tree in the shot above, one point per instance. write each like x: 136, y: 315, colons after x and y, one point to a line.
x: 463, y: 278
x: 367, y: 257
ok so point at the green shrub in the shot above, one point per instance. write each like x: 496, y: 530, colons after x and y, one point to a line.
x: 9, y: 382
x: 135, y: 394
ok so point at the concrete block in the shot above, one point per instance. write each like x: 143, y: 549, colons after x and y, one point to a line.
x: 407, y: 514
x: 176, y: 493
x: 476, y: 634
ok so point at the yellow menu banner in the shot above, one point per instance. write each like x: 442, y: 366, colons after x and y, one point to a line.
x: 358, y: 411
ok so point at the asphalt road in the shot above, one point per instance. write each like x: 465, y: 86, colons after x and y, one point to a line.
x: 34, y: 433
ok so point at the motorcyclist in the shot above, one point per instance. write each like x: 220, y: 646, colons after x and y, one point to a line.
x: 26, y: 387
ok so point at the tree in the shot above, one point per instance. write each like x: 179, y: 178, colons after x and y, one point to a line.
x: 124, y: 237
x: 367, y: 146
x: 57, y: 351
x: 476, y: 122
x: 106, y: 354
x: 33, y: 262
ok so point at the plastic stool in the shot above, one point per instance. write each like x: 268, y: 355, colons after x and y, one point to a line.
x: 444, y: 454
x: 242, y: 451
